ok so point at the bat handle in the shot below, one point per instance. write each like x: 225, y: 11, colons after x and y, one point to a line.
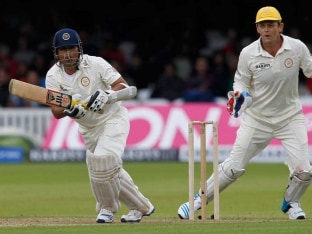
x: 75, y: 102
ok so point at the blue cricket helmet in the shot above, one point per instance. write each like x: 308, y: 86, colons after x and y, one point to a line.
x: 66, y: 37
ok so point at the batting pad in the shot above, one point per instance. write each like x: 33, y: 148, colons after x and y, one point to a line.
x: 104, y: 180
x: 130, y: 194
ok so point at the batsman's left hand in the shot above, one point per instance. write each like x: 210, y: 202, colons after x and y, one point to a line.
x: 76, y: 112
x: 238, y: 102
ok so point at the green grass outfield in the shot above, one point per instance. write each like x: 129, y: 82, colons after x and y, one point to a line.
x: 56, y: 198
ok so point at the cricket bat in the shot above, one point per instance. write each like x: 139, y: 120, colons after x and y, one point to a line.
x: 44, y: 96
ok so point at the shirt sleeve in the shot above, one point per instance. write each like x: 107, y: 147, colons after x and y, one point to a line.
x: 109, y: 74
x: 306, y: 61
x: 242, y: 77
x: 50, y: 82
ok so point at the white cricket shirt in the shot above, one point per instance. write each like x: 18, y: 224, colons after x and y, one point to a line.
x: 273, y: 81
x: 94, y: 73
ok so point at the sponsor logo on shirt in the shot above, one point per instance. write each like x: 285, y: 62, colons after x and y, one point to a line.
x: 263, y: 66
x: 63, y: 90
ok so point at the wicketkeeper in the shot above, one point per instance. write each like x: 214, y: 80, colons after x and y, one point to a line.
x: 265, y: 93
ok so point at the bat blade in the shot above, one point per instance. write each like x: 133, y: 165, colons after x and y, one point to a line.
x: 42, y: 95
x: 39, y: 94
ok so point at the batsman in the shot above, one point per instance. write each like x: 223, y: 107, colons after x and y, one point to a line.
x: 97, y: 90
x: 265, y: 96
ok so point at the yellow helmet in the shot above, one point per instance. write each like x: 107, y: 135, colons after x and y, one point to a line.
x: 268, y: 13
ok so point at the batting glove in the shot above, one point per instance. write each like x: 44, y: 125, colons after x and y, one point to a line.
x: 97, y: 101
x: 238, y: 102
x: 77, y: 112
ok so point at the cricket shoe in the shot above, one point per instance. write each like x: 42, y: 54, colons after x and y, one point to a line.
x: 105, y: 216
x: 293, y: 209
x: 184, y: 209
x: 136, y: 216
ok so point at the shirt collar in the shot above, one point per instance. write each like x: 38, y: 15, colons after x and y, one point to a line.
x: 285, y: 46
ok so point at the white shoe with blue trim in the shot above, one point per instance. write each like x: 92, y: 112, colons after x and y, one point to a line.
x: 184, y: 209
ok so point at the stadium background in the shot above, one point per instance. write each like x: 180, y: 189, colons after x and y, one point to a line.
x: 152, y: 24
x: 159, y: 29
x: 149, y: 19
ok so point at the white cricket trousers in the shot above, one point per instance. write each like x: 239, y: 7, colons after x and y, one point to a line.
x: 254, y: 135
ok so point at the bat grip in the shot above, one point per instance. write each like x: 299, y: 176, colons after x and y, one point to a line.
x: 75, y: 102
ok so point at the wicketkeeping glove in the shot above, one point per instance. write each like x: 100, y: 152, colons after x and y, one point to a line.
x: 97, y: 101
x: 76, y: 112
x: 238, y: 102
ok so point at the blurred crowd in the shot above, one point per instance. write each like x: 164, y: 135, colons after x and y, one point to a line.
x: 188, y: 73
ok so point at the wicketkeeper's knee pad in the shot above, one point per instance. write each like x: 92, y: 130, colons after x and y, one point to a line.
x: 297, y: 185
x: 104, y: 179
x: 230, y: 170
x: 227, y: 175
